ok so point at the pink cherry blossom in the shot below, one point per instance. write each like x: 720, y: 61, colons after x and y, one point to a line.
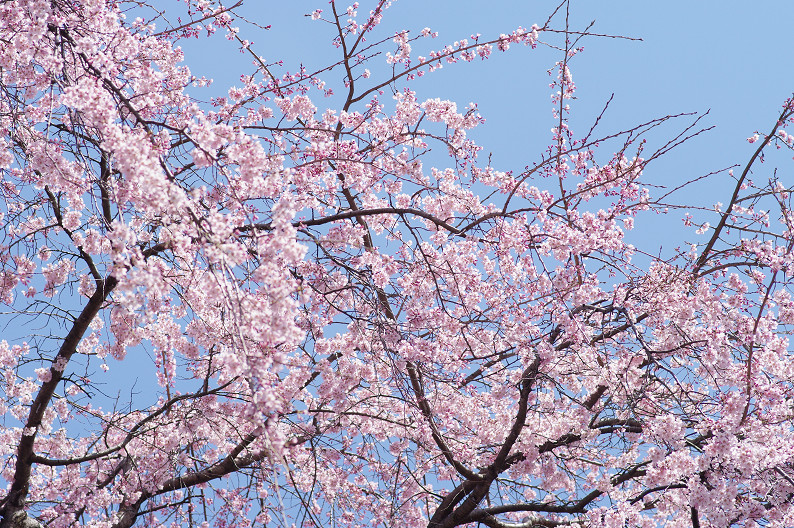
x: 310, y: 298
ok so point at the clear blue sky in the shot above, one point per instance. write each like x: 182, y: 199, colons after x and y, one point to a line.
x: 732, y: 58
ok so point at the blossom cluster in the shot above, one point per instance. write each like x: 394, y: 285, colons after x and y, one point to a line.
x: 342, y: 314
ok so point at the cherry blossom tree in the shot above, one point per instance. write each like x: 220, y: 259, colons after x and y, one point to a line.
x: 345, y: 327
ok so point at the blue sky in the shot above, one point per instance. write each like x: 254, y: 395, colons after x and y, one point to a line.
x: 730, y: 58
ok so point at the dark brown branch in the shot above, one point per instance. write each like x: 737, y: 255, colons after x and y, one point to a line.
x: 528, y: 378
x: 38, y: 459
x: 703, y: 258
x: 359, y: 213
x: 17, y: 493
x: 423, y: 405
